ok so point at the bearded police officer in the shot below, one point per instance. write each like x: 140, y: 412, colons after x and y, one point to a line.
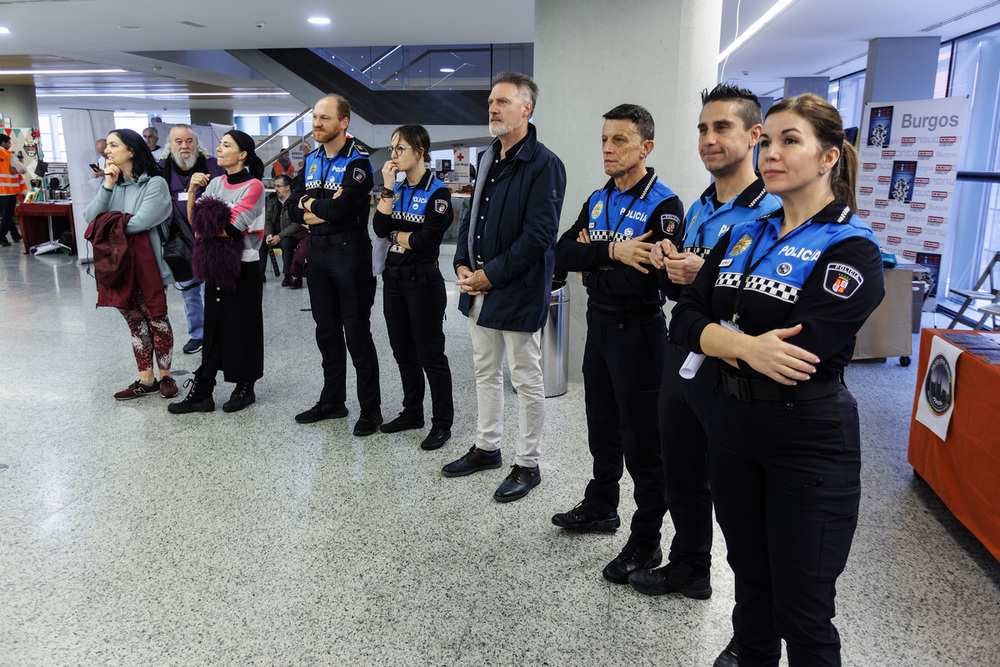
x: 626, y: 336
x: 338, y: 181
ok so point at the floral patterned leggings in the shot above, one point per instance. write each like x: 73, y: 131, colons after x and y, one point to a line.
x: 149, y: 334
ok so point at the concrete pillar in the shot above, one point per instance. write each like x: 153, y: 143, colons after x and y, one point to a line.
x: 797, y: 85
x: 206, y: 116
x: 901, y: 68
x: 18, y: 103
x: 590, y: 56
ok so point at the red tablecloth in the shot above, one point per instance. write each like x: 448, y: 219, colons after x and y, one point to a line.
x: 964, y: 470
x: 33, y: 219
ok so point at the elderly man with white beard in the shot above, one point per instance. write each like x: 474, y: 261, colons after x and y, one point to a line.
x: 183, y: 157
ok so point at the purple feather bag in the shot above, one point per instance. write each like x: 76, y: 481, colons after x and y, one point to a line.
x: 216, y: 259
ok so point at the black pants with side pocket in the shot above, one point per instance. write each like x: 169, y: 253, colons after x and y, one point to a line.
x: 786, y: 484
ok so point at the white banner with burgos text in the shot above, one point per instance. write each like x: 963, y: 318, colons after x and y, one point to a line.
x: 909, y: 156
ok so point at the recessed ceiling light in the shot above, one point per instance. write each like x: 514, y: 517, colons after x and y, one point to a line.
x: 319, y: 20
x: 129, y: 27
x: 60, y: 71
x: 4, y: 31
x: 448, y: 70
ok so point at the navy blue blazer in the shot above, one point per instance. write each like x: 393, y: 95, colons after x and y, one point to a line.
x: 519, y: 240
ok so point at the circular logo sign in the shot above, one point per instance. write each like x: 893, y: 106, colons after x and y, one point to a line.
x: 784, y: 269
x: 937, y: 389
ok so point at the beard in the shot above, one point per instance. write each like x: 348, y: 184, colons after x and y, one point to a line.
x: 186, y: 164
x: 503, y: 129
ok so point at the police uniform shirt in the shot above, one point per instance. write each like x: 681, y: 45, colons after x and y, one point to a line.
x: 425, y: 211
x: 826, y: 275
x: 349, y: 170
x: 613, y: 216
x: 495, y: 172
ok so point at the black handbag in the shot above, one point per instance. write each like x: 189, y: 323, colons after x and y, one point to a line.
x: 177, y: 245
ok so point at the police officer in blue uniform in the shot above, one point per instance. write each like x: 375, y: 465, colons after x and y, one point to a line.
x: 413, y: 216
x: 341, y: 285
x: 779, y: 302
x: 728, y: 130
x: 626, y: 336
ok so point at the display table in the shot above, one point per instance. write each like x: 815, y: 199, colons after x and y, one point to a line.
x: 964, y: 470
x: 888, y: 331
x: 42, y: 222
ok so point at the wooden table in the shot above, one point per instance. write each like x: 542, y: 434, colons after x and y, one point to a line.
x: 964, y: 470
x: 44, y: 221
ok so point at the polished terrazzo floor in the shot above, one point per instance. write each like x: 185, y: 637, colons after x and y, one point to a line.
x: 134, y: 537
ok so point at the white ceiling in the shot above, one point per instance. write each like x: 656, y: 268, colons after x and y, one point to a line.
x: 810, y: 38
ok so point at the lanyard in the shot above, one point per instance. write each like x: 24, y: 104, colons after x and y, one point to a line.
x: 751, y: 265
x: 607, y: 208
x: 406, y: 207
x: 328, y: 163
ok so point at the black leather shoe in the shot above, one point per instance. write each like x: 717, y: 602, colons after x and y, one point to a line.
x: 241, y: 397
x: 582, y: 518
x: 320, y: 412
x: 199, y: 398
x: 286, y: 281
x: 402, y: 423
x: 730, y: 656
x: 632, y: 559
x: 474, y: 460
x: 518, y: 483
x: 683, y: 578
x: 367, y: 425
x: 436, y: 438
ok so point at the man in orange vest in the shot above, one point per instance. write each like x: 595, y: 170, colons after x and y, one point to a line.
x: 11, y: 185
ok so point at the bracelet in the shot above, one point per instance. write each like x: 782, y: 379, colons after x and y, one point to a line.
x: 612, y: 251
x: 394, y: 237
x: 387, y: 193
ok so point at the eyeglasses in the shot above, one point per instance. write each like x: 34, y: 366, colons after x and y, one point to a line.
x: 397, y: 150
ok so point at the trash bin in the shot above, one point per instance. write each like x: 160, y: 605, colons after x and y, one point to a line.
x: 555, y: 342
x: 919, y: 289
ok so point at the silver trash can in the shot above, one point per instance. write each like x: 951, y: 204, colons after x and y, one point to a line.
x: 555, y: 343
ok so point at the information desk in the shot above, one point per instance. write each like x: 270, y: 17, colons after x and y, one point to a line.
x: 44, y: 221
x: 964, y: 470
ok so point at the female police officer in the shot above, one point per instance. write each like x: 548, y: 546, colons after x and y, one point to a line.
x: 414, y: 217
x: 780, y: 300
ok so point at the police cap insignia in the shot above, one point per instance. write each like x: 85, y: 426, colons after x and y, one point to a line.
x: 440, y: 205
x: 359, y: 174
x: 669, y: 222
x: 741, y: 245
x: 842, y: 280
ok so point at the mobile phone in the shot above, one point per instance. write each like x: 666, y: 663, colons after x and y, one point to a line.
x: 96, y: 168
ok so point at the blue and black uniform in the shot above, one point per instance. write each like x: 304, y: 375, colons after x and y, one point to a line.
x: 685, y: 404
x: 414, y: 297
x: 785, y: 461
x: 341, y: 284
x: 626, y: 336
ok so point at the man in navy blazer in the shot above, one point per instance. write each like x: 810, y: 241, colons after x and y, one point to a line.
x: 504, y: 261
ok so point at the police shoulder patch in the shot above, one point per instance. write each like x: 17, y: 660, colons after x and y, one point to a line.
x: 359, y: 174
x: 842, y: 280
x: 440, y: 205
x: 669, y: 223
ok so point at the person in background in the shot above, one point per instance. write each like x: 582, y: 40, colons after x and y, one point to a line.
x: 11, y: 185
x: 779, y: 301
x: 133, y: 186
x: 152, y: 138
x: 413, y: 216
x: 728, y: 130
x: 626, y: 336
x: 234, y: 321
x: 279, y: 228
x: 185, y: 157
x: 504, y: 262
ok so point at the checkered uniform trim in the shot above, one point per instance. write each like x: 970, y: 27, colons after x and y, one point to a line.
x: 331, y: 186
x: 608, y: 235
x: 699, y: 250
x: 408, y: 217
x: 767, y: 286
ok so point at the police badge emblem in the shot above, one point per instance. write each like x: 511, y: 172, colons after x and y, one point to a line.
x: 669, y: 222
x: 395, y: 197
x: 842, y: 280
x: 312, y: 170
x: 440, y: 205
x: 629, y: 232
x: 784, y: 269
x: 741, y: 245
x: 359, y: 174
x: 598, y: 207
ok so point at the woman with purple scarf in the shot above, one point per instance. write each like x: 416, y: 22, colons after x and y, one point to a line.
x: 228, y: 221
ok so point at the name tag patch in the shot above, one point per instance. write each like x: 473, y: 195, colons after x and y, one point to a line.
x: 842, y: 280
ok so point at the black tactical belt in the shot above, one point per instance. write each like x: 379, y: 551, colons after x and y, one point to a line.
x: 408, y: 270
x: 330, y: 240
x: 624, y: 311
x: 753, y: 389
